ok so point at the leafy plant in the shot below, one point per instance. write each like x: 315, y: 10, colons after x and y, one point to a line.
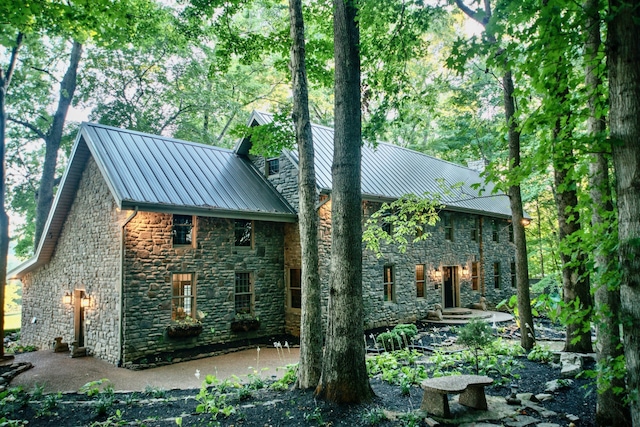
x: 290, y: 376
x: 93, y: 388
x: 540, y: 353
x: 156, y: 393
x: 476, y: 335
x: 374, y: 416
x: 211, y: 400
x: 112, y: 421
x: 315, y: 415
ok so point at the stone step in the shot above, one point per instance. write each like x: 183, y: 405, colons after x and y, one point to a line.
x: 456, y: 311
x: 466, y: 316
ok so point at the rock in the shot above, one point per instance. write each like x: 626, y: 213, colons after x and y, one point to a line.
x: 520, y: 421
x: 543, y: 397
x: 572, y: 418
x: 555, y: 385
x: 431, y: 422
x: 548, y: 425
x: 571, y: 365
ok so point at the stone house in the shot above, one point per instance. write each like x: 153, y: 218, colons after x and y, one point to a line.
x: 148, y: 233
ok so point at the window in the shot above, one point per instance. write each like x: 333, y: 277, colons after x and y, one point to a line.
x: 273, y: 166
x: 182, y: 229
x: 388, y: 283
x: 183, y: 296
x: 496, y: 275
x: 420, y: 280
x: 244, y: 294
x: 295, y: 288
x: 475, y: 276
x: 475, y: 229
x: 243, y: 232
x: 513, y: 275
x: 511, y: 233
x: 496, y: 231
x: 448, y: 227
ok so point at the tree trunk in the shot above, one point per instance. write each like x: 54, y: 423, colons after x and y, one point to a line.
x: 310, y: 365
x: 610, y: 409
x: 624, y: 119
x: 53, y: 140
x: 344, y: 374
x: 5, y: 82
x: 527, y: 333
x: 575, y: 280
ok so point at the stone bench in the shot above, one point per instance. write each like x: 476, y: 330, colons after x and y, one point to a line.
x: 470, y: 387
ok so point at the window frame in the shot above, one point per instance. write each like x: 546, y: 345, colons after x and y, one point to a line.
x: 475, y: 276
x: 272, y: 171
x: 514, y: 279
x: 290, y: 298
x: 496, y: 275
x: 475, y: 230
x: 447, y: 220
x: 175, y: 227
x: 244, y: 294
x: 251, y: 233
x: 388, y: 286
x: 496, y: 231
x: 511, y: 234
x: 177, y: 278
x: 421, y: 282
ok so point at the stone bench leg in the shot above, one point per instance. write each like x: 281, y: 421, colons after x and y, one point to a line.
x: 473, y: 397
x: 436, y: 404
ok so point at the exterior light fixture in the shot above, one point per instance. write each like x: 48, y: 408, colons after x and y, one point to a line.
x: 67, y: 298
x: 526, y: 221
x: 437, y: 274
x: 85, y: 301
x: 465, y: 271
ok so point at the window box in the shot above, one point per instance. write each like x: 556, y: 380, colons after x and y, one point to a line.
x: 245, y: 325
x: 184, y: 330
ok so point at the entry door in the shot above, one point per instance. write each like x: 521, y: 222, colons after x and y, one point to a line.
x: 78, y: 317
x: 450, y: 281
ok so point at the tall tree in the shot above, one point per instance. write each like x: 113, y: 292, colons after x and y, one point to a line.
x: 344, y: 375
x: 310, y: 365
x: 527, y: 334
x: 624, y: 118
x: 611, y: 409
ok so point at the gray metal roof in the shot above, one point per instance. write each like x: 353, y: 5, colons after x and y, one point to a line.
x: 159, y: 174
x: 390, y: 171
x: 163, y: 174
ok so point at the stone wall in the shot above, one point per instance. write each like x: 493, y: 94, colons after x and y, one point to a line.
x: 87, y: 257
x: 286, y: 181
x: 292, y: 259
x: 151, y: 259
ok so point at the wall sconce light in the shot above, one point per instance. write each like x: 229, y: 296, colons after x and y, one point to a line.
x: 437, y: 274
x: 465, y: 271
x: 85, y: 301
x: 526, y: 221
x: 67, y: 298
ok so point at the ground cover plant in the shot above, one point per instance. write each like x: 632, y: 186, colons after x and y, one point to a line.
x: 255, y: 400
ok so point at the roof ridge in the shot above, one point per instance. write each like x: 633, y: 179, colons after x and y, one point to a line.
x: 166, y: 138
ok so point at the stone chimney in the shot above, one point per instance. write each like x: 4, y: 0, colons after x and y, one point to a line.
x: 478, y: 165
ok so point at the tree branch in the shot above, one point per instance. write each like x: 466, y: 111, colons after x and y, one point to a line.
x: 29, y: 126
x: 6, y: 80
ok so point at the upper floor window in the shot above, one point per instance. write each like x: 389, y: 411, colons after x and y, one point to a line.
x: 448, y: 227
x: 475, y: 228
x: 273, y: 166
x: 182, y: 231
x: 475, y: 276
x: 511, y: 237
x: 496, y: 275
x: 420, y: 280
x: 496, y: 231
x: 513, y: 275
x: 183, y: 296
x: 243, y: 232
x: 388, y: 283
x: 243, y: 293
x: 295, y: 288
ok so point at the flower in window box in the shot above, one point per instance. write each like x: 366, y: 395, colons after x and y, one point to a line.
x: 186, y: 327
x: 245, y: 322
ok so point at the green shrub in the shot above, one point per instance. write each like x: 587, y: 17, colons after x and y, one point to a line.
x: 389, y: 340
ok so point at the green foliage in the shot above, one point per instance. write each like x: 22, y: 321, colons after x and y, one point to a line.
x: 399, y: 337
x: 315, y: 415
x: 408, y: 218
x: 290, y: 377
x: 156, y: 393
x: 112, y: 421
x: 270, y: 139
x: 211, y: 400
x: 540, y: 353
x: 94, y: 388
x: 476, y: 335
x: 374, y: 416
